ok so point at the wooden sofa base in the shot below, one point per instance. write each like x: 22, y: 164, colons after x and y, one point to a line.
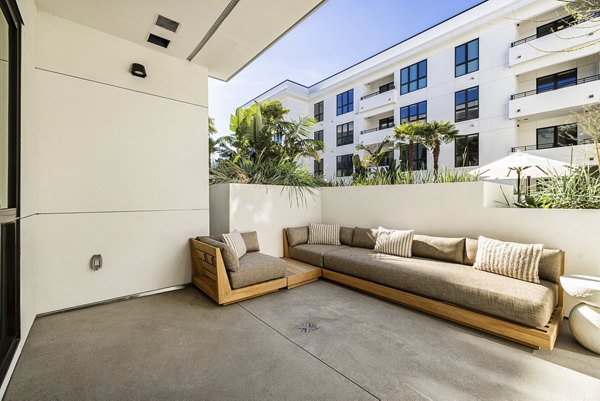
x: 209, y: 276
x: 540, y: 337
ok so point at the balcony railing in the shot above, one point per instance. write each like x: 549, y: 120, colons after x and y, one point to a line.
x: 535, y: 36
x: 527, y: 148
x: 368, y: 131
x: 377, y: 93
x: 535, y: 91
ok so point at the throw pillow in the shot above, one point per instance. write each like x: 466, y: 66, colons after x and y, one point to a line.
x: 520, y: 261
x: 236, y: 243
x: 394, y: 242
x: 324, y: 234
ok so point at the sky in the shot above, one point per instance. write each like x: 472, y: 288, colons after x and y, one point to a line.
x: 338, y: 35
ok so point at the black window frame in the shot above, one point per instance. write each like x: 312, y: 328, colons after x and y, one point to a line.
x: 387, y: 122
x: 386, y: 87
x: 318, y: 167
x: 554, y: 26
x: 405, y: 84
x: 471, y: 112
x: 319, y: 111
x: 343, y: 165
x: 319, y: 136
x: 345, y: 134
x: 345, y: 102
x: 469, y: 58
x: 557, y: 135
x: 419, y: 157
x: 420, y: 112
x: 557, y: 81
x: 10, y: 216
x: 465, y: 151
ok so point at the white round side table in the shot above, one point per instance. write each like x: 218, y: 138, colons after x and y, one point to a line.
x: 584, y: 318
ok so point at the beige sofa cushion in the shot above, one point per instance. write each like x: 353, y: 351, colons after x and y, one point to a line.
x: 251, y: 240
x: 229, y: 258
x: 297, y: 235
x: 551, y: 262
x: 511, y: 259
x: 313, y: 253
x: 346, y: 234
x: 255, y: 268
x: 236, y: 243
x: 394, y: 242
x: 325, y: 234
x: 364, y: 237
x: 439, y: 248
x: 516, y: 300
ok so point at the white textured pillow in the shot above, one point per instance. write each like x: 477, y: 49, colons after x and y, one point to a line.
x: 394, y: 242
x: 520, y: 261
x: 236, y: 243
x: 324, y: 234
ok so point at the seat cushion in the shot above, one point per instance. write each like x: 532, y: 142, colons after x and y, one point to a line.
x: 439, y: 248
x: 256, y: 267
x: 312, y: 253
x: 516, y: 300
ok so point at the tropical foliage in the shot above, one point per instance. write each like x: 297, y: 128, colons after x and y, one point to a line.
x: 265, y: 148
x: 589, y: 123
x: 386, y: 176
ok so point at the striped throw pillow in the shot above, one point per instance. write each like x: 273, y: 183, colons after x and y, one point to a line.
x: 520, y: 261
x: 324, y: 234
x: 236, y: 243
x: 394, y: 242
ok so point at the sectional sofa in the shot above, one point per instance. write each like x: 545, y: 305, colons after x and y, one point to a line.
x: 439, y: 279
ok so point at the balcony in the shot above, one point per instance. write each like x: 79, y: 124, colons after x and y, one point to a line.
x: 534, y: 52
x: 370, y: 103
x: 582, y: 153
x: 532, y: 103
x: 375, y: 135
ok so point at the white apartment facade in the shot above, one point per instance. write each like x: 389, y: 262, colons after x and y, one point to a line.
x: 510, y: 74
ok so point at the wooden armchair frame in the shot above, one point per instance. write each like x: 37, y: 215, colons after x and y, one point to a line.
x: 209, y: 275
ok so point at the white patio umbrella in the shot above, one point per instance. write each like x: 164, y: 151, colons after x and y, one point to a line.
x: 520, y: 164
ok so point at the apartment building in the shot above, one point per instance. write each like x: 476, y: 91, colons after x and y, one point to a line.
x: 510, y: 74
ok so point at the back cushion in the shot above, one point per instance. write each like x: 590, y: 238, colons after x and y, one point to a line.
x: 346, y: 234
x: 550, y: 268
x: 324, y: 234
x: 229, y: 258
x: 439, y: 248
x: 251, y: 241
x: 297, y: 235
x: 364, y: 237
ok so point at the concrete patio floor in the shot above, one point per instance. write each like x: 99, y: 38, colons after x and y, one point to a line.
x: 181, y: 346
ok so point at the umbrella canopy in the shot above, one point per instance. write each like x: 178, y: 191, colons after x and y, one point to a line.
x: 521, y: 164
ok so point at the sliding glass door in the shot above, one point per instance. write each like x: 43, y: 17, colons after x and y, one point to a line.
x: 9, y: 182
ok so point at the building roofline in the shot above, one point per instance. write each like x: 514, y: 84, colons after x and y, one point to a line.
x: 372, y: 56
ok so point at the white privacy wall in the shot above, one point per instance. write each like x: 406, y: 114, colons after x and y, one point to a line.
x: 463, y: 209
x: 113, y: 165
x: 266, y: 209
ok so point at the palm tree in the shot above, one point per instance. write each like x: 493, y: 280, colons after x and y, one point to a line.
x: 436, y: 133
x: 375, y: 157
x: 412, y: 133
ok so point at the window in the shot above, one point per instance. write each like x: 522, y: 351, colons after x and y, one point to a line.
x: 386, y: 87
x: 387, y: 159
x: 414, y: 112
x: 318, y: 167
x: 466, y: 150
x: 319, y: 136
x: 345, y: 102
x: 413, y: 77
x: 318, y: 112
x: 466, y: 104
x: 466, y: 58
x: 10, y: 87
x: 553, y: 137
x: 555, y: 26
x: 344, y: 165
x: 557, y: 81
x: 345, y: 133
x: 419, y: 157
x: 387, y: 122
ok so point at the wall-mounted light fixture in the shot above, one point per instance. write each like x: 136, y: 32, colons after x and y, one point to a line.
x: 138, y: 70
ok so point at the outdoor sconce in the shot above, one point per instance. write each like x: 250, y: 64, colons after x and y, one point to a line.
x: 138, y: 70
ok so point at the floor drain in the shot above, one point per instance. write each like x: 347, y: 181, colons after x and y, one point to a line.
x: 308, y: 327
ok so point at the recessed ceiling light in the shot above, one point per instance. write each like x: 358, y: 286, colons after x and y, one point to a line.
x: 159, y: 41
x: 167, y: 23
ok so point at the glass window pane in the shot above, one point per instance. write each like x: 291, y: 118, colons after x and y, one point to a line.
x: 473, y: 94
x: 460, y: 70
x: 423, y: 69
x: 404, y: 76
x: 566, y: 78
x: 473, y: 49
x: 460, y: 54
x: 473, y: 150
x: 413, y: 72
x: 545, y: 138
x: 404, y: 89
x: 422, y: 83
x: 545, y: 84
x: 460, y: 97
x: 412, y: 86
x: 413, y: 110
x: 473, y: 66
